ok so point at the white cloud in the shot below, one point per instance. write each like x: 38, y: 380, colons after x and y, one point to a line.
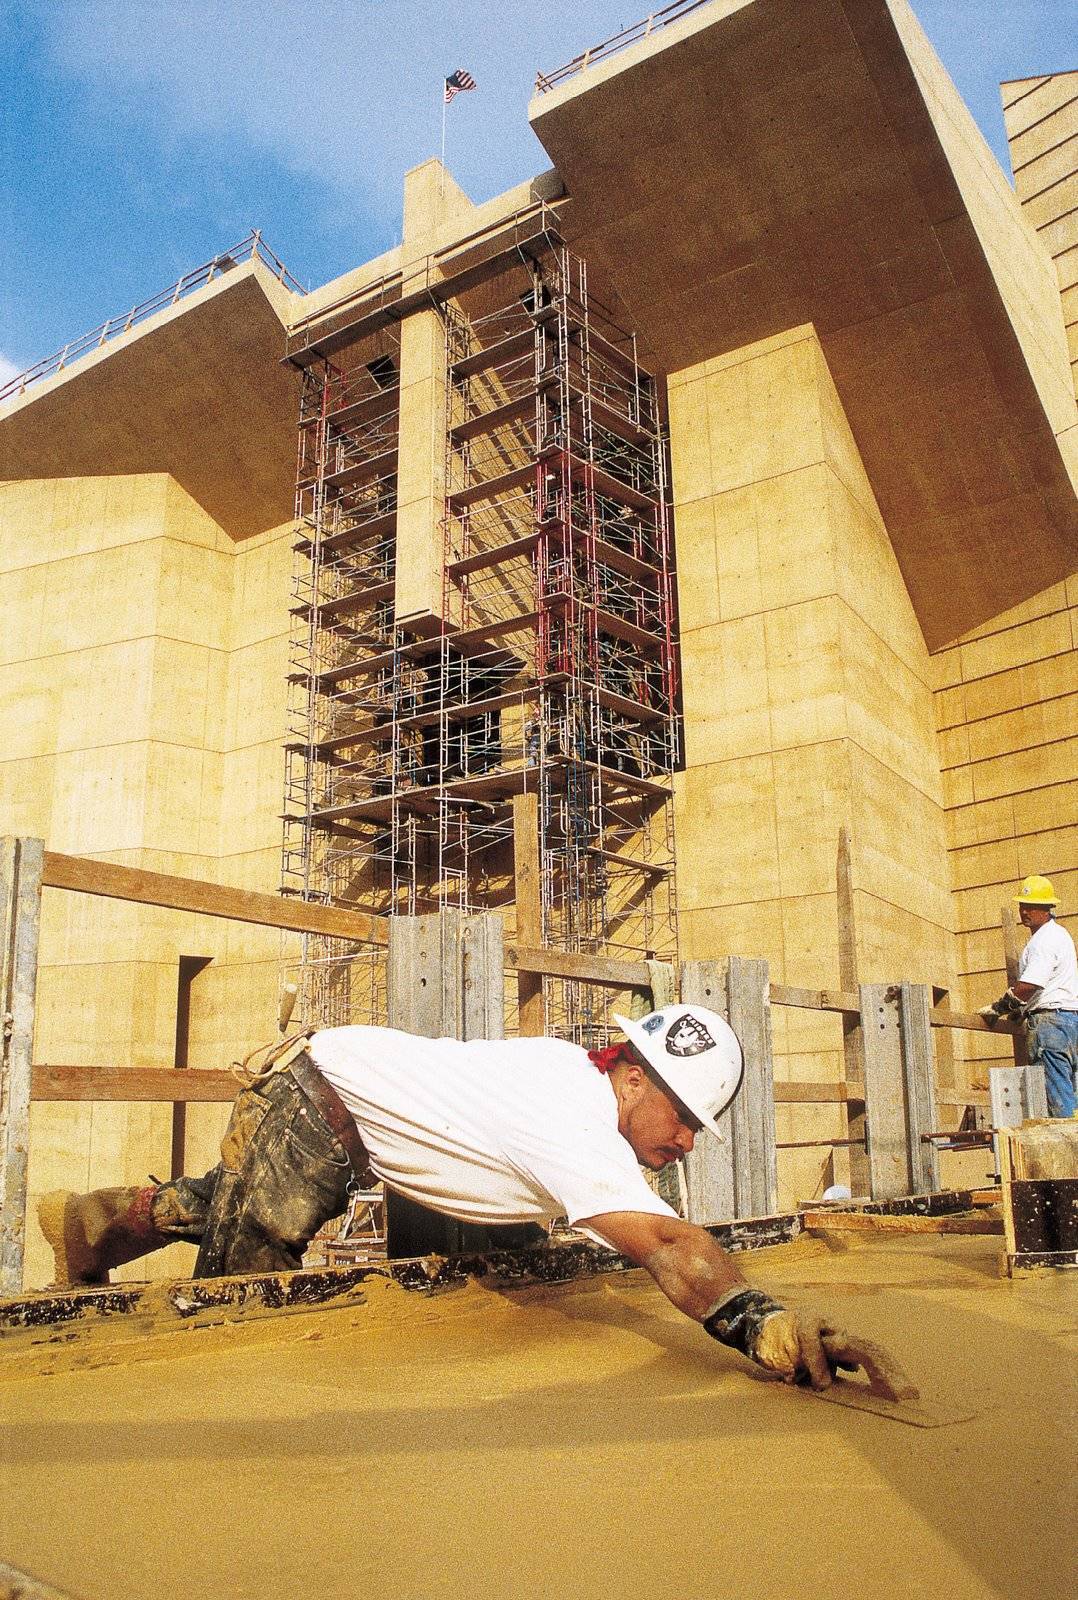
x: 8, y: 370
x: 348, y: 94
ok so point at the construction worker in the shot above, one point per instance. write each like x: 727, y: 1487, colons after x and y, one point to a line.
x: 488, y: 1131
x: 1045, y: 994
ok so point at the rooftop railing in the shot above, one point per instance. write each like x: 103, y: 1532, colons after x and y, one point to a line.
x: 251, y: 248
x: 544, y: 81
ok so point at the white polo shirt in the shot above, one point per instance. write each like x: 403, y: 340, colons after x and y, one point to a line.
x: 1049, y: 960
x: 491, y: 1131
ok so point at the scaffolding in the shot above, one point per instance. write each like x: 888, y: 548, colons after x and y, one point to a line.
x: 551, y: 669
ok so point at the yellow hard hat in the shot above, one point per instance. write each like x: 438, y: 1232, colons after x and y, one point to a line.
x: 1036, y: 891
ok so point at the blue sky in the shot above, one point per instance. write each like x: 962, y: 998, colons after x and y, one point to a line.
x: 138, y: 139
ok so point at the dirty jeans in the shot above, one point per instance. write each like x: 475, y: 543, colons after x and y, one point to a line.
x: 1053, y: 1044
x: 282, y: 1174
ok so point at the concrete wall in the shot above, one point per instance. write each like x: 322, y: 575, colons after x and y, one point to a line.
x: 143, y: 672
x: 1041, y: 117
x: 808, y: 705
x: 1007, y: 704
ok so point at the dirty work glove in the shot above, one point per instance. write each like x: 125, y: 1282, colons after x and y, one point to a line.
x: 789, y: 1343
x: 1008, y: 1005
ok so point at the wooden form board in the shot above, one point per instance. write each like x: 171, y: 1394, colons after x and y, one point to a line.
x: 446, y: 975
x: 736, y: 1177
x: 918, y: 1068
x: 885, y: 1100
x: 853, y: 1054
x: 710, y: 1194
x: 20, y: 916
x: 755, y: 1171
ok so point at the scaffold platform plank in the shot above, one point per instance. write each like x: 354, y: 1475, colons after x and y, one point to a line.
x: 492, y: 487
x: 351, y: 538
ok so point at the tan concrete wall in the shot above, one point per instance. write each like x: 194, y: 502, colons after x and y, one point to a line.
x: 1041, y: 117
x: 808, y: 705
x: 143, y: 671
x: 1007, y: 704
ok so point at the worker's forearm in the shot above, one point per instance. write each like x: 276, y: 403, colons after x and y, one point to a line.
x: 691, y: 1269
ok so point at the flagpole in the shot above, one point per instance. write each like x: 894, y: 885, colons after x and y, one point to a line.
x: 441, y: 179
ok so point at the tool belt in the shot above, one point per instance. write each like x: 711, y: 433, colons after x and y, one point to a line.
x: 290, y: 1055
x: 328, y: 1103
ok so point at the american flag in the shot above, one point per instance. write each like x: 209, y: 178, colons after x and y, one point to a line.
x: 456, y: 82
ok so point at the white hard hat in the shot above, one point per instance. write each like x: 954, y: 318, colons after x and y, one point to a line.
x: 696, y: 1054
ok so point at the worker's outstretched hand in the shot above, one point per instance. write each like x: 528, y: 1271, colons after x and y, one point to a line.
x: 791, y: 1343
x: 803, y: 1349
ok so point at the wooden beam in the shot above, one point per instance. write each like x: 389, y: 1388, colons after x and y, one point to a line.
x: 132, y: 1085
x: 873, y: 1222
x: 812, y: 1094
x: 527, y: 883
x: 842, y: 1000
x: 20, y: 922
x: 941, y: 1018
x: 209, y: 899
x: 586, y: 969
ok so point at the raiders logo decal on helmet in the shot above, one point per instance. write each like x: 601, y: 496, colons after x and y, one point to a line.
x: 688, y: 1037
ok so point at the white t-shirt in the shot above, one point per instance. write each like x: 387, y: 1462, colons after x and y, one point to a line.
x: 1049, y: 960
x: 498, y: 1130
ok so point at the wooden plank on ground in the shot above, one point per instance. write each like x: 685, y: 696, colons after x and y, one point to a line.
x: 709, y: 1168
x: 132, y: 1085
x: 210, y: 899
x: 885, y: 1097
x: 527, y: 884
x: 873, y: 1222
x: 20, y: 921
x: 755, y: 1160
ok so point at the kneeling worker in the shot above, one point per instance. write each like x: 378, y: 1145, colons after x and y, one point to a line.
x: 488, y: 1131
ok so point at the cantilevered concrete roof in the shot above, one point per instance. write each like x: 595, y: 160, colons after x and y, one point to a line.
x: 761, y: 164
x: 197, y: 390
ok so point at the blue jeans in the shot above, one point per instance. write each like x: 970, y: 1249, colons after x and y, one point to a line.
x: 1053, y: 1045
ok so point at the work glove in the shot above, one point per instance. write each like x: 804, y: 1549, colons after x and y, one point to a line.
x: 798, y: 1346
x: 1008, y: 1005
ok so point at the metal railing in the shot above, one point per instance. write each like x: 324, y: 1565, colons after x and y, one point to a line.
x: 650, y: 24
x: 251, y: 248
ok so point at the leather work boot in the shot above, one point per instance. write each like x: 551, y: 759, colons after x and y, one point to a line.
x: 89, y: 1233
